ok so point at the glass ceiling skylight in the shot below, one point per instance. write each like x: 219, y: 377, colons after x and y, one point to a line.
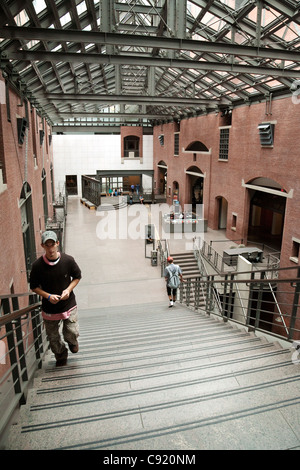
x: 168, y: 68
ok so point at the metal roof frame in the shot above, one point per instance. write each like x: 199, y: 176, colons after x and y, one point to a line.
x: 102, y: 64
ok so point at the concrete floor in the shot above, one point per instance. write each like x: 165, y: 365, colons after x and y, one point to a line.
x: 108, y: 254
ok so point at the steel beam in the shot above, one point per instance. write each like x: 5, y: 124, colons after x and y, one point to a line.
x: 15, y: 32
x: 135, y: 99
x: 32, y: 56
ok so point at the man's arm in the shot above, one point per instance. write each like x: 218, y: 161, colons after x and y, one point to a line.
x: 52, y: 298
x: 66, y: 293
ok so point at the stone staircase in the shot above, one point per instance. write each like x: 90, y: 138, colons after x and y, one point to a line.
x: 112, y: 203
x: 187, y: 263
x: 152, y: 378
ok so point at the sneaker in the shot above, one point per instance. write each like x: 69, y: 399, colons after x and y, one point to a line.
x: 171, y: 303
x: 74, y: 348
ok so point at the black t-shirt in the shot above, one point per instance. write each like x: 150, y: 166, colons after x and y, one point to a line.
x: 54, y: 279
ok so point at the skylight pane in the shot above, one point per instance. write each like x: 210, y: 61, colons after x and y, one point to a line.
x: 81, y: 8
x: 21, y: 18
x: 39, y: 5
x: 32, y: 43
x: 65, y: 19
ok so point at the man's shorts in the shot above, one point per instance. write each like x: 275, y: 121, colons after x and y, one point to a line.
x: 171, y: 291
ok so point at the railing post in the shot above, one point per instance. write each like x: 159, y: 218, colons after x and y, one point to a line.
x: 231, y: 298
x: 259, y: 301
x: 197, y: 293
x: 295, y: 307
x: 209, y: 291
x: 225, y: 302
x: 250, y: 302
x: 188, y: 292
x: 21, y: 350
x: 11, y: 343
x: 20, y: 343
x: 37, y: 331
x: 181, y: 293
x: 258, y: 305
x: 14, y: 361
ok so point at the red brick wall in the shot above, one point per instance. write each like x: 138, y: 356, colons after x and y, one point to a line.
x: 247, y: 161
x: 11, y: 239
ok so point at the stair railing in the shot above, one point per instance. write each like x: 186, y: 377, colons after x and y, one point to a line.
x: 266, y: 304
x: 277, y: 304
x: 212, y: 297
x: 23, y: 344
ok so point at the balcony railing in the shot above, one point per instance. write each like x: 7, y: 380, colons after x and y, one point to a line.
x: 216, y: 260
x: 265, y: 300
x: 23, y: 344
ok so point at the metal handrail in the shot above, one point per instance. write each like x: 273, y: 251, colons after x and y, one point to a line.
x: 256, y: 297
x: 23, y: 344
x: 216, y: 260
x: 202, y: 267
x: 277, y: 305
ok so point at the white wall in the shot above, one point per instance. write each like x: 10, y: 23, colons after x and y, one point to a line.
x: 85, y: 154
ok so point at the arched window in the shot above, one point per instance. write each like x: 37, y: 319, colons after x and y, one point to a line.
x: 196, y: 146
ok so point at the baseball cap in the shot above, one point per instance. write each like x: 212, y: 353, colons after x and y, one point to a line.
x: 170, y: 259
x: 49, y: 235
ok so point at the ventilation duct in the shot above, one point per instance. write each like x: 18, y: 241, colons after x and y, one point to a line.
x: 161, y: 139
x: 266, y: 134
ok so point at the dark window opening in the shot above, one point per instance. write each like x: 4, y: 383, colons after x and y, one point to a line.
x: 224, y: 144
x: 295, y: 251
x: 197, y: 147
x: 131, y: 147
x: 7, y: 100
x: 71, y: 185
x: 176, y: 144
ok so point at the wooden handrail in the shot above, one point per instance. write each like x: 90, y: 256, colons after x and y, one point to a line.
x: 18, y: 313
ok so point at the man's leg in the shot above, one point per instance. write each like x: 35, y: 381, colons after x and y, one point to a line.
x: 57, y: 346
x: 169, y: 291
x: 71, y: 331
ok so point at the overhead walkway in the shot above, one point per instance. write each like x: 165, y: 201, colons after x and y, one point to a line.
x: 149, y: 377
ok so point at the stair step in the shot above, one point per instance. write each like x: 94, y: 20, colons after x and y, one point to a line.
x: 191, y: 272
x: 111, y: 207
x: 189, y: 267
x: 184, y: 260
x: 153, y: 377
x: 188, y: 264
